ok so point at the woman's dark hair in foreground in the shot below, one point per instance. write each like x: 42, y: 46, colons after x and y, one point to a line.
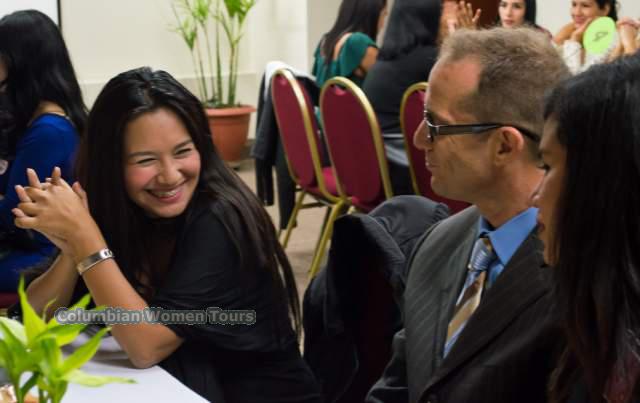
x: 124, y: 224
x: 597, y: 238
x: 38, y: 69
x: 353, y: 16
x: 411, y: 23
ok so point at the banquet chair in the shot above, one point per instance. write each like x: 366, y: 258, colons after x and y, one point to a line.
x: 411, y: 115
x: 299, y: 135
x: 356, y: 147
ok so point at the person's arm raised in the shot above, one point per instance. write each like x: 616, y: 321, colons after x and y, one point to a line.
x: 564, y: 33
x: 58, y: 211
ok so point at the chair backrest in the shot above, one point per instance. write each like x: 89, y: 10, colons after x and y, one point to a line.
x: 352, y: 135
x: 298, y: 130
x: 411, y: 115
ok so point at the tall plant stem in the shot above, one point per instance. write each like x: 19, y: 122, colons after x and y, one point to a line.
x: 200, y: 64
x: 230, y: 82
x: 213, y: 87
x: 195, y: 70
x: 218, y: 58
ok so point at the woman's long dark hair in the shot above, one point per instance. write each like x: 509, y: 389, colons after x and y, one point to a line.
x: 125, y: 226
x: 353, y: 16
x: 597, y: 238
x: 412, y: 23
x: 39, y: 69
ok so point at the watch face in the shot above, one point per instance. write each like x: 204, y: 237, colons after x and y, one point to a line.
x: 4, y: 164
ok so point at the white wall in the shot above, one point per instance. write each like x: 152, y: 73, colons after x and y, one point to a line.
x: 553, y: 14
x: 109, y: 37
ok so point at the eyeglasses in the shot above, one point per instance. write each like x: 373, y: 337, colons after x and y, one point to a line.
x: 449, y: 130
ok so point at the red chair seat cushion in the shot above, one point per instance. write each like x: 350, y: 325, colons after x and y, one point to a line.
x: 329, y: 181
x: 7, y: 299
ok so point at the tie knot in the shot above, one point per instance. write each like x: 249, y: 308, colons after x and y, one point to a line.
x: 482, y: 255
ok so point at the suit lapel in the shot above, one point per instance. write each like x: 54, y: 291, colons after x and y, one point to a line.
x: 517, y: 287
x: 450, y: 290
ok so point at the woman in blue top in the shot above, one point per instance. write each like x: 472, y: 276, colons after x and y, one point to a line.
x: 349, y: 48
x: 43, y: 100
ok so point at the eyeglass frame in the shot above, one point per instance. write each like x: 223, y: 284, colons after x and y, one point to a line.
x: 476, y: 128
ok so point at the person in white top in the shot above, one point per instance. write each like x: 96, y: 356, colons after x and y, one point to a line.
x: 569, y: 39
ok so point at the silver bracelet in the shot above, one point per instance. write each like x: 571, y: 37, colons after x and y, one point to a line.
x: 94, y: 259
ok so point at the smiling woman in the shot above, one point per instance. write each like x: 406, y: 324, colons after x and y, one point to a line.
x: 164, y: 223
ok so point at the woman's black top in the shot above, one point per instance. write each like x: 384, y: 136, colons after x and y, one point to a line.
x: 230, y: 363
x: 387, y: 80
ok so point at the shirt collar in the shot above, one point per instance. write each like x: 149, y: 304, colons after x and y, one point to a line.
x: 509, y: 236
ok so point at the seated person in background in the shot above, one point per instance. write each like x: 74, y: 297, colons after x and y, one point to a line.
x: 569, y: 38
x: 408, y: 52
x: 516, y: 13
x: 349, y: 48
x: 47, y: 115
x: 460, y: 344
x: 186, y: 233
x: 591, y: 157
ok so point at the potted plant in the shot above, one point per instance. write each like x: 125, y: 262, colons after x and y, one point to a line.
x: 33, y: 349
x: 228, y: 120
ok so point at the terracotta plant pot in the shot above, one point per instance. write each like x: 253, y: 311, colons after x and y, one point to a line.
x: 229, y: 129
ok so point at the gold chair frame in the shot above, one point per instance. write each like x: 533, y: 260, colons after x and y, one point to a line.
x: 336, y: 205
x: 421, y: 86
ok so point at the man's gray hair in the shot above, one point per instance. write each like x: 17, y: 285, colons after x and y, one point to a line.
x: 518, y: 66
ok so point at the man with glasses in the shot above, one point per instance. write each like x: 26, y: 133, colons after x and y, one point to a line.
x: 476, y: 305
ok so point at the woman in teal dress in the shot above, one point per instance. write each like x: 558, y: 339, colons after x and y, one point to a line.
x: 349, y: 48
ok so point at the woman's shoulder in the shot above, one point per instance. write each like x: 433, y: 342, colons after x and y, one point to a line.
x: 50, y: 124
x: 205, y: 212
x: 360, y: 38
x: 52, y: 120
x: 50, y: 130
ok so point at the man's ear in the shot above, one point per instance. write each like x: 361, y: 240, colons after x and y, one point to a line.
x: 509, y: 144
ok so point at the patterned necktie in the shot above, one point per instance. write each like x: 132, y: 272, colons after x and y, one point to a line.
x: 481, y: 257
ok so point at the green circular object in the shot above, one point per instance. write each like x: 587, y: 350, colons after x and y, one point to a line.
x: 599, y: 35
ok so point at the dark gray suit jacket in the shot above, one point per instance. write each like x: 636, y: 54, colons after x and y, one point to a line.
x: 508, y: 347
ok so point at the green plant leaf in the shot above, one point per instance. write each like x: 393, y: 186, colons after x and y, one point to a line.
x: 51, y: 356
x: 33, y: 323
x: 82, y: 303
x: 16, y: 351
x: 82, y: 378
x: 16, y: 328
x: 83, y: 353
x: 6, y: 358
x: 62, y: 334
x: 29, y: 384
x: 43, y: 385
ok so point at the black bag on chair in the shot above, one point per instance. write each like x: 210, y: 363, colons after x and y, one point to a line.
x: 351, y: 308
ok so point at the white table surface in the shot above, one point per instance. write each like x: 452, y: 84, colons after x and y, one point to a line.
x: 152, y: 384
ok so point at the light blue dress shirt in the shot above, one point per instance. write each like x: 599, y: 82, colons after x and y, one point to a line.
x: 505, y: 241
